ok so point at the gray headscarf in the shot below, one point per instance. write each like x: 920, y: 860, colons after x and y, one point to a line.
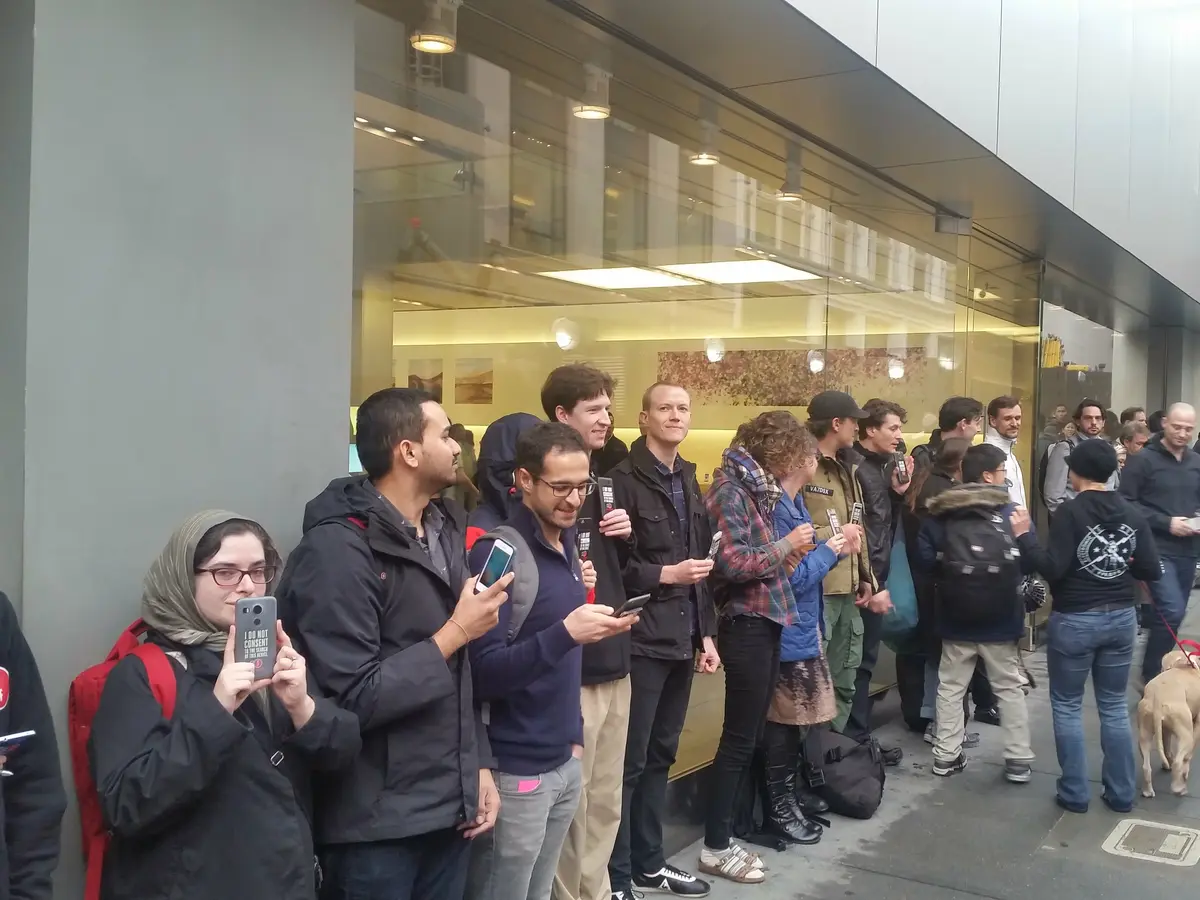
x: 169, y: 590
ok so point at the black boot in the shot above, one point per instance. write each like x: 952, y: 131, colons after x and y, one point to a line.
x: 782, y: 815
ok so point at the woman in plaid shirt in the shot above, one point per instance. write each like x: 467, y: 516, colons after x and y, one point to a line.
x: 755, y: 603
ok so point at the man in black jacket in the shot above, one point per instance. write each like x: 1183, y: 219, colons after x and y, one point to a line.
x: 378, y: 599
x: 581, y: 396
x: 1163, y: 482
x: 667, y: 560
x: 879, y: 435
x: 33, y: 801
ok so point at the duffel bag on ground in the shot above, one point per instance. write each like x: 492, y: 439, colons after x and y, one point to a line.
x: 853, y: 775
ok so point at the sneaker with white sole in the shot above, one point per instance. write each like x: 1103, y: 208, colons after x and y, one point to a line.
x: 670, y: 880
x: 1018, y: 772
x: 944, y: 768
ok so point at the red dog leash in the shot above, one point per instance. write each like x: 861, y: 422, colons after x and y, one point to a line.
x: 1188, y: 655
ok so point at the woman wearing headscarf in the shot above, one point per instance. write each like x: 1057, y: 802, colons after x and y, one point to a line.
x: 213, y: 802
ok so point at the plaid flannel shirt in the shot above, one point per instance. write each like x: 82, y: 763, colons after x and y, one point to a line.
x: 751, y: 579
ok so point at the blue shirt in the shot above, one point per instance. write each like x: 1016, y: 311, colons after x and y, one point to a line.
x: 533, y: 685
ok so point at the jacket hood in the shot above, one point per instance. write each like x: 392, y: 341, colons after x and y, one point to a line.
x: 964, y: 497
x: 342, y: 499
x: 496, y: 463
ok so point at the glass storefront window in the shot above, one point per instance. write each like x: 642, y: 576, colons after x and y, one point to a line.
x: 498, y: 235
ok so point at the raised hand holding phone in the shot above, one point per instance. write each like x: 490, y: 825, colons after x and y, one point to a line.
x: 236, y: 680
x: 478, y: 612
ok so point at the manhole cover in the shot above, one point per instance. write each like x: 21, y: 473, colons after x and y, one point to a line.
x: 1172, y: 845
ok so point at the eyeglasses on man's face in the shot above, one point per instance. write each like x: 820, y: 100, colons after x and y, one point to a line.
x: 229, y: 576
x: 563, y: 491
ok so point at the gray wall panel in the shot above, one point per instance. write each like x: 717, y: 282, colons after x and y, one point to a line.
x: 853, y: 22
x: 947, y: 53
x: 189, y: 293
x: 1039, y: 55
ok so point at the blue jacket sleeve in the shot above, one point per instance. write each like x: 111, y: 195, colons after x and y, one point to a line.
x: 812, y: 569
x: 499, y: 668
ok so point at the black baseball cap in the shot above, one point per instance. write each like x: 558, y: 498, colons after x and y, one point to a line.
x: 1094, y: 459
x: 834, y: 405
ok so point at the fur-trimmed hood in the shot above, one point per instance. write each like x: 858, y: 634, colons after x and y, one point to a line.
x: 963, y: 497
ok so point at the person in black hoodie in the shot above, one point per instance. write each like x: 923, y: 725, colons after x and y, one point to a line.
x: 581, y: 396
x: 32, y: 802
x: 378, y: 597
x: 1100, y: 546
x: 669, y: 562
x: 215, y: 801
x: 1163, y: 483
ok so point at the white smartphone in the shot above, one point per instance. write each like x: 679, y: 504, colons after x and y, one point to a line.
x: 714, y: 546
x: 495, y: 567
x: 10, y: 743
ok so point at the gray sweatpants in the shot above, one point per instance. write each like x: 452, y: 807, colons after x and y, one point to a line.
x: 518, y: 858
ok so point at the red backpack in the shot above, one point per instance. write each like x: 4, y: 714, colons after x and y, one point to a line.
x: 82, y: 703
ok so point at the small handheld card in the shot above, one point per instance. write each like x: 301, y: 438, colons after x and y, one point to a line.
x: 902, y: 475
x: 856, y: 514
x: 583, y: 537
x: 608, y: 499
x: 714, y: 546
x: 834, y: 523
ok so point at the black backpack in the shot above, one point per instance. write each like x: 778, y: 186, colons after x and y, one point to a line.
x: 979, y: 568
x: 849, y: 775
x: 1042, y: 461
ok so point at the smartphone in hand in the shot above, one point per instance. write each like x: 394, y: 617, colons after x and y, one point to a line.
x: 256, y: 639
x: 496, y: 566
x: 631, y: 606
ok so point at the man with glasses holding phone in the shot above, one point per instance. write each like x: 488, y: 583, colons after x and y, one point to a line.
x: 32, y: 799
x: 668, y: 559
x: 580, y: 396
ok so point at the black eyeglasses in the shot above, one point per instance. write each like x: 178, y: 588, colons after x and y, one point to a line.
x: 228, y: 576
x: 563, y: 491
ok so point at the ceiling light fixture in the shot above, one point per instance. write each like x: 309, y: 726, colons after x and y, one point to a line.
x: 620, y: 279
x: 389, y: 129
x: 895, y: 368
x: 742, y: 271
x: 714, y: 349
x: 439, y: 32
x: 793, y: 178
x: 418, y: 139
x: 707, y: 154
x: 816, y: 362
x: 360, y: 120
x: 594, y: 104
x: 566, y: 333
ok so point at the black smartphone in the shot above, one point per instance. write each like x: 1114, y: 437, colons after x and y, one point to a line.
x: 902, y: 475
x: 608, y: 497
x: 632, y: 605
x: 10, y: 744
x: 254, y: 627
x: 835, y: 523
x: 583, y: 537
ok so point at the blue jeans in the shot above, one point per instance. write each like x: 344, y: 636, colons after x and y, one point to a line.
x: 426, y: 865
x: 1170, y: 593
x: 1099, y: 644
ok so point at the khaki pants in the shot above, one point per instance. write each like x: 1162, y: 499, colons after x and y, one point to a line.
x: 583, y: 865
x: 843, y: 651
x: 954, y: 677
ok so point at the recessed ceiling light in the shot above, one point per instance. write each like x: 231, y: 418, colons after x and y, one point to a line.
x: 619, y: 279
x: 591, y: 111
x: 360, y: 120
x: 389, y: 129
x: 704, y: 158
x: 418, y: 139
x: 743, y: 271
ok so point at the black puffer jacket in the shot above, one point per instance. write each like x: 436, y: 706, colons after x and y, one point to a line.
x: 664, y: 629
x: 881, y: 507
x: 923, y: 580
x: 362, y: 600
x: 208, y: 804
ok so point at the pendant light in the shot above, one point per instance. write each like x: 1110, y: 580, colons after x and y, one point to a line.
x: 439, y: 32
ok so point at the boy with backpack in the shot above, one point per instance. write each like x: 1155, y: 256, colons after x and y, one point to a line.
x: 967, y: 543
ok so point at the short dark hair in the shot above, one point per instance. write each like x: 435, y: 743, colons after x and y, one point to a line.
x: 568, y: 386
x: 648, y: 394
x: 776, y: 440
x: 1130, y: 430
x: 1085, y: 404
x: 1005, y: 402
x: 1155, y: 421
x: 982, y: 458
x: 385, y: 419
x: 1130, y: 413
x: 877, y: 412
x: 535, y: 444
x: 956, y: 409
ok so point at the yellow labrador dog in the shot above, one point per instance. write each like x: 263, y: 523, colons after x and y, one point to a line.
x: 1169, y: 709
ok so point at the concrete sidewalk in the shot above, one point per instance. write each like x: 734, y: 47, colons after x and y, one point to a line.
x: 977, y: 836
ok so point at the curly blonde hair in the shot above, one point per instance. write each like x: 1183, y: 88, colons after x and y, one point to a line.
x: 777, y: 441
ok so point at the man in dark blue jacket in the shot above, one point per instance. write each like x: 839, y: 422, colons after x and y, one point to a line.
x: 968, y: 543
x: 32, y: 802
x: 531, y: 680
x: 1163, y: 482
